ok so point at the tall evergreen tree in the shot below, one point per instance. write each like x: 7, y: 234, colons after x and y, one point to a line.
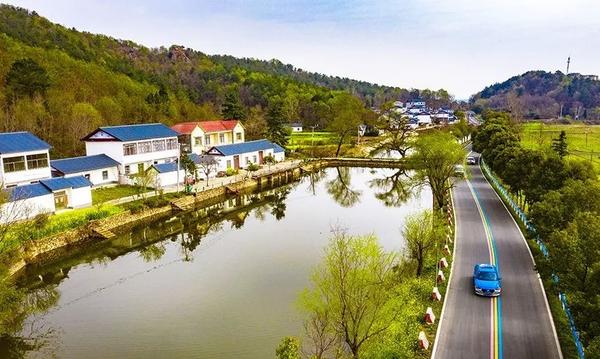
x: 276, y: 129
x: 27, y: 78
x: 559, y: 145
x: 232, y: 106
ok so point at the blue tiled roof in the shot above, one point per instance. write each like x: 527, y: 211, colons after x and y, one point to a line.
x: 58, y: 183
x: 11, y: 142
x: 82, y: 164
x: 28, y: 191
x: 166, y: 167
x: 244, y: 147
x: 137, y: 132
x: 277, y: 148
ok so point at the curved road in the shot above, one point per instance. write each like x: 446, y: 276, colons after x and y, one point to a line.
x: 517, y: 324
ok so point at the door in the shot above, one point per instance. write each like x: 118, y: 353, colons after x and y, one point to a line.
x: 60, y: 200
x: 236, y: 162
x: 260, y: 157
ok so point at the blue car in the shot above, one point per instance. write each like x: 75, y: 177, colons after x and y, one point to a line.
x: 486, y: 280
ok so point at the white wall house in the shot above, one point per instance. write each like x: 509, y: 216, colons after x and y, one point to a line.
x: 47, y: 196
x: 296, y: 127
x: 24, y: 159
x: 197, y: 137
x: 135, y: 147
x: 98, y: 169
x: 240, y: 155
x: 167, y: 174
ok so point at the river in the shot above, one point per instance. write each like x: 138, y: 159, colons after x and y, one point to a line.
x: 221, y: 282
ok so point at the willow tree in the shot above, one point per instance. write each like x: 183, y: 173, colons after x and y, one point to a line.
x: 352, y: 302
x: 436, y: 155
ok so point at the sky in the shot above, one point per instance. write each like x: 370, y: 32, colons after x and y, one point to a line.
x: 459, y: 45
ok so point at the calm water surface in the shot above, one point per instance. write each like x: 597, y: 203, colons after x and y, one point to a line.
x: 221, y: 282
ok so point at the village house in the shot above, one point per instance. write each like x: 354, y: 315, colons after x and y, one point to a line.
x: 26, y: 175
x: 240, y: 155
x: 25, y: 159
x: 199, y: 136
x: 134, y: 147
x: 98, y: 169
x: 296, y: 127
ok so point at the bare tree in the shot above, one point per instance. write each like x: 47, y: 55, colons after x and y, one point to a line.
x: 398, y: 133
x: 207, y: 164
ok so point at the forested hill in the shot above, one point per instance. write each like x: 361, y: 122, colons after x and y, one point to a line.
x: 540, y: 94
x: 61, y: 83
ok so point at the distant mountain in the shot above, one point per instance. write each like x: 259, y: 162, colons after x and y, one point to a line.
x: 86, y: 80
x: 541, y: 94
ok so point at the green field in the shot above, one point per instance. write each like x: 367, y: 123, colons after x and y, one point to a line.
x: 308, y: 139
x: 103, y: 194
x: 583, y: 140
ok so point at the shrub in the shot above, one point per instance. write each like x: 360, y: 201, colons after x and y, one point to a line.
x: 135, y: 207
x: 252, y: 167
x: 231, y: 171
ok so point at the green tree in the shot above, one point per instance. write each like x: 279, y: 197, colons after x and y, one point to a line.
x: 188, y: 166
x: 397, y: 132
x: 277, y: 130
x: 559, y: 145
x: 422, y: 232
x: 289, y: 348
x: 232, y: 106
x: 353, y: 285
x: 348, y: 113
x: 434, y: 161
x: 27, y: 78
x: 255, y: 124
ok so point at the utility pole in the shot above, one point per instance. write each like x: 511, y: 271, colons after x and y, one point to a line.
x: 568, y: 63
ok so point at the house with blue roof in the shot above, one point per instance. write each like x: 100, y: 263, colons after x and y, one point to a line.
x: 135, y: 147
x: 98, y: 169
x: 240, y: 155
x: 24, y: 159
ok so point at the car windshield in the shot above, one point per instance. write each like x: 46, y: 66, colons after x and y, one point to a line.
x: 487, y: 276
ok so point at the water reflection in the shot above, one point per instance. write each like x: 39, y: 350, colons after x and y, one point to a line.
x: 244, y: 259
x: 340, y: 188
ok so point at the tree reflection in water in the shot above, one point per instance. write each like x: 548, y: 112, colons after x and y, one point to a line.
x: 340, y: 190
x: 393, y: 190
x: 22, y: 329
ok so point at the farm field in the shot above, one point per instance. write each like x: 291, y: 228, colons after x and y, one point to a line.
x: 305, y: 139
x: 583, y: 140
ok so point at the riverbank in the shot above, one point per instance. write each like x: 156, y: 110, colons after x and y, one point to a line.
x: 32, y: 252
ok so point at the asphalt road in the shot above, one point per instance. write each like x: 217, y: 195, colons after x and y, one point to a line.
x: 518, y: 323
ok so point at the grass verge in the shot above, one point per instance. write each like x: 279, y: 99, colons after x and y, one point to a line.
x: 104, y: 194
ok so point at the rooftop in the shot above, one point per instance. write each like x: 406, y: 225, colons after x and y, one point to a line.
x: 83, y: 163
x: 207, y: 126
x: 47, y: 186
x: 244, y: 147
x: 131, y: 132
x: 12, y: 142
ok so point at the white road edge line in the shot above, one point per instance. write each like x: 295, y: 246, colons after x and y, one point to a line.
x: 437, y: 332
x: 532, y: 260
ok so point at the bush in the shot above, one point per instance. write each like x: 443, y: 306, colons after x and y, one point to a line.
x: 135, y: 207
x: 253, y: 167
x: 231, y: 172
x: 156, y: 202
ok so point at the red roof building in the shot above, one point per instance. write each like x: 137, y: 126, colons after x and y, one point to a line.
x: 198, y: 136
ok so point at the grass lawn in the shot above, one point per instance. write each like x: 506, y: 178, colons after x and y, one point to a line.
x: 305, y: 139
x: 583, y: 140
x: 37, y: 229
x: 101, y: 195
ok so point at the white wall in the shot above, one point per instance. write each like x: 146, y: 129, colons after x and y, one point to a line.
x: 239, y: 129
x: 169, y: 178
x: 79, y: 197
x: 96, y: 175
x: 279, y: 156
x: 27, y: 176
x: 27, y: 208
x: 114, y: 149
x: 244, y: 158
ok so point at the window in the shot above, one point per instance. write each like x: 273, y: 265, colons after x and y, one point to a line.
x: 39, y: 160
x: 127, y: 170
x: 228, y: 163
x: 238, y: 136
x: 197, y: 141
x: 105, y: 175
x: 129, y: 149
x: 254, y: 159
x: 14, y: 164
x: 171, y: 143
x: 207, y: 139
x: 140, y: 167
x: 247, y: 160
x: 221, y: 138
x: 145, y: 147
x: 87, y: 175
x: 159, y: 145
